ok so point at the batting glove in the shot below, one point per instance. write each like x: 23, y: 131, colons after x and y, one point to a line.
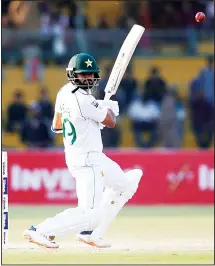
x: 113, y: 105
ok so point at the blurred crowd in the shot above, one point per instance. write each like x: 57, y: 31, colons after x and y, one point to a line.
x: 155, y: 109
x: 152, y: 14
x: 32, y: 121
x: 52, y: 23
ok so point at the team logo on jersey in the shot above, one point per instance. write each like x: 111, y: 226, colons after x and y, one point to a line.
x: 102, y: 173
x: 89, y: 63
x: 95, y: 103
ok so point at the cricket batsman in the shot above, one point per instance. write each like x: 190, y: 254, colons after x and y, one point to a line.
x: 102, y: 186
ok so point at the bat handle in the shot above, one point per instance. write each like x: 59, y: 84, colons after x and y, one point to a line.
x: 107, y: 96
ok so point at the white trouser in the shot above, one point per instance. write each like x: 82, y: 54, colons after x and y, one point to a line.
x: 96, y: 209
x: 94, y: 171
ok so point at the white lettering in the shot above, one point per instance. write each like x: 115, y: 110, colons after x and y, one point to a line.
x: 61, y: 195
x: 5, y: 203
x: 3, y: 168
x: 15, y: 177
x: 4, y: 184
x: 35, y: 179
x: 4, y: 221
x: 205, y: 178
x: 50, y: 179
x: 211, y: 179
x: 67, y: 182
x: 27, y: 177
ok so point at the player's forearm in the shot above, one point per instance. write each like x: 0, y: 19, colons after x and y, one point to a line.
x: 56, y: 123
x: 110, y: 119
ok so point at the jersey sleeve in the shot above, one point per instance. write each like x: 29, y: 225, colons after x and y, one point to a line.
x: 57, y: 104
x: 92, y: 110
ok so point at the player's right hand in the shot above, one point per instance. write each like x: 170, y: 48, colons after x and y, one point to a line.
x: 113, y: 105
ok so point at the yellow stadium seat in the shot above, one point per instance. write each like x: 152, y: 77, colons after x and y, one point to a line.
x: 174, y: 70
x: 127, y: 139
x: 59, y: 140
x: 189, y: 140
x: 12, y: 140
x: 179, y: 71
x: 167, y: 49
x: 110, y: 9
x: 54, y: 79
x: 206, y: 47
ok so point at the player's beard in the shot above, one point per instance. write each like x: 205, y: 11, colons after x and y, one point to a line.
x: 90, y: 85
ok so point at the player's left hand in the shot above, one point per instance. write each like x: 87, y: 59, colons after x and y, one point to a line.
x: 113, y: 105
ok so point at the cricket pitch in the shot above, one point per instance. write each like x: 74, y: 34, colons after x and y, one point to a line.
x: 139, y: 235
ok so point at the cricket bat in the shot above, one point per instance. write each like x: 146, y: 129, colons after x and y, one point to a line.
x: 122, y: 60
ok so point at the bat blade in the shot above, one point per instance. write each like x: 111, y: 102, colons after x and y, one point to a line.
x: 124, y: 56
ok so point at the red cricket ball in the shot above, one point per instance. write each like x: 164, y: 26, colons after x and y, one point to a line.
x: 200, y: 17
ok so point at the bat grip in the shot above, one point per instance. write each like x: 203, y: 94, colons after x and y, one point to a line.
x: 107, y: 96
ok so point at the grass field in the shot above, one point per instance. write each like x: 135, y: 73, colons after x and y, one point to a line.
x: 139, y: 235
